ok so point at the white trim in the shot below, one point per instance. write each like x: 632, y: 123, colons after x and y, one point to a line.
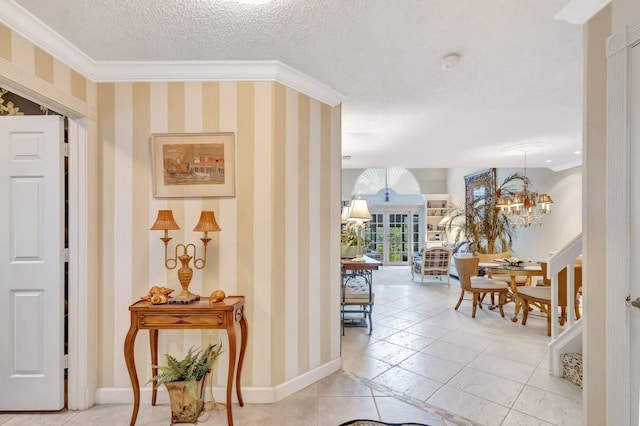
x: 566, y: 165
x: 618, y: 238
x: 568, y: 342
x: 250, y: 394
x: 81, y: 391
x: 33, y: 29
x: 580, y: 11
x: 37, y: 32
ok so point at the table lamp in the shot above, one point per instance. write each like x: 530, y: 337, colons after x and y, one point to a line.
x: 166, y: 223
x: 359, y: 215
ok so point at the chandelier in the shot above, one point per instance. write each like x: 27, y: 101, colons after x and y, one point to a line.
x: 524, y: 208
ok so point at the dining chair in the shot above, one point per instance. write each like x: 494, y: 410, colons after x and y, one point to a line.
x: 435, y: 262
x: 467, y: 268
x: 562, y: 284
x: 540, y: 295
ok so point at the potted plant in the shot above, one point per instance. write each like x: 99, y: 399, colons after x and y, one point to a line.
x: 481, y: 227
x: 185, y: 381
x: 349, y: 240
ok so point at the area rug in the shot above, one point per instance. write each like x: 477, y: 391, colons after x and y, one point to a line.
x: 378, y: 423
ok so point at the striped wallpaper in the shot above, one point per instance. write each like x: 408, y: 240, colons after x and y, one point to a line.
x: 279, y: 240
x: 278, y: 245
x: 31, y: 69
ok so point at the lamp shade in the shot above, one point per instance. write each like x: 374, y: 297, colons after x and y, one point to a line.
x: 344, y: 214
x: 545, y: 199
x: 207, y: 222
x: 165, y: 221
x: 359, y: 210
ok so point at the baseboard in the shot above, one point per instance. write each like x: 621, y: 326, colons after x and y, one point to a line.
x: 250, y: 394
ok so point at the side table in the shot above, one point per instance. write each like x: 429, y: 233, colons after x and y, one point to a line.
x: 195, y: 315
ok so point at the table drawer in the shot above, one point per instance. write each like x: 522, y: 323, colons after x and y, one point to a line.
x: 181, y: 321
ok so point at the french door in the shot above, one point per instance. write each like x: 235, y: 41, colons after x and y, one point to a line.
x: 392, y: 237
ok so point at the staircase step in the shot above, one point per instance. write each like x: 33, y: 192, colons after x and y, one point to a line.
x: 572, y: 369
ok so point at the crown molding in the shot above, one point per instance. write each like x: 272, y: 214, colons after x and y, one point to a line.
x: 40, y: 34
x: 150, y: 71
x: 37, y: 32
x: 580, y: 11
x: 566, y: 165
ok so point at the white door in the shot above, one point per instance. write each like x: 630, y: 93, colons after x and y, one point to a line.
x: 31, y: 263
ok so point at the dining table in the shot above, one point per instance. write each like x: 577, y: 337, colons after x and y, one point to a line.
x: 528, y: 270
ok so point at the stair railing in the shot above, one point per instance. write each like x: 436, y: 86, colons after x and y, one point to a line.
x: 564, y: 260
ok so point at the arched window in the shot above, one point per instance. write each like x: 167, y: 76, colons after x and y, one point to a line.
x: 400, y: 181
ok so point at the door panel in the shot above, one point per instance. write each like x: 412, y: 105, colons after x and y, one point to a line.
x: 392, y: 237
x: 31, y: 263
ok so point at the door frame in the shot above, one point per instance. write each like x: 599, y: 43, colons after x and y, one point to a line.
x: 618, y: 239
x: 82, y: 337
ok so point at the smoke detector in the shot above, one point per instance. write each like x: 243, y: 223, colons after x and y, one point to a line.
x: 450, y: 61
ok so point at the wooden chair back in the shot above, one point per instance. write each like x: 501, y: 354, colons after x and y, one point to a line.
x: 467, y: 267
x: 486, y: 258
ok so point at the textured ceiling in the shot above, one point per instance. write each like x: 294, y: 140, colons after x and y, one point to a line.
x: 519, y: 79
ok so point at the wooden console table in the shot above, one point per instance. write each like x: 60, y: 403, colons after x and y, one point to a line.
x: 195, y: 315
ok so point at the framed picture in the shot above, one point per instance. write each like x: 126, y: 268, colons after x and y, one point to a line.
x: 481, y: 185
x: 193, y: 164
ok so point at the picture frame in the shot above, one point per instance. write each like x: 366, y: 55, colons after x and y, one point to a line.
x: 480, y: 185
x: 193, y: 164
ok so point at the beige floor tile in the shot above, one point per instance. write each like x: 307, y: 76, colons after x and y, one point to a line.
x: 548, y: 406
x: 393, y: 410
x: 333, y: 410
x: 503, y: 367
x: 431, y: 367
x: 338, y: 384
x: 469, y: 406
x: 41, y: 419
x: 428, y: 330
x: 288, y: 412
x: 364, y: 366
x: 515, y: 418
x: 451, y: 352
x: 542, y: 379
x: 488, y: 386
x: 388, y: 352
x: 409, y: 340
x: 408, y: 384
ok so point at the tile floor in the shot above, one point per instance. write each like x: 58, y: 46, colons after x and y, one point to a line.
x: 424, y: 362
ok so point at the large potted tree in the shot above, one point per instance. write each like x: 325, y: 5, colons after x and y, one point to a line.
x: 480, y: 226
x: 185, y: 381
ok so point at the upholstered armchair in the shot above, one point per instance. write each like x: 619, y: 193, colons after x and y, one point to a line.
x: 435, y: 262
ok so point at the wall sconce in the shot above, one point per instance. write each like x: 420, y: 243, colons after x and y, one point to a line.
x: 166, y: 223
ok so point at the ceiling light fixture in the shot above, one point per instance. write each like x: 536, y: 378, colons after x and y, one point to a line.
x: 450, y: 61
x: 524, y: 208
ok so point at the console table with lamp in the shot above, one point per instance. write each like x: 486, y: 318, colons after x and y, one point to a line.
x: 187, y: 311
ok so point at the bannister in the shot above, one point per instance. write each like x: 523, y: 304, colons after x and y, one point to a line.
x: 562, y: 261
x: 562, y: 269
